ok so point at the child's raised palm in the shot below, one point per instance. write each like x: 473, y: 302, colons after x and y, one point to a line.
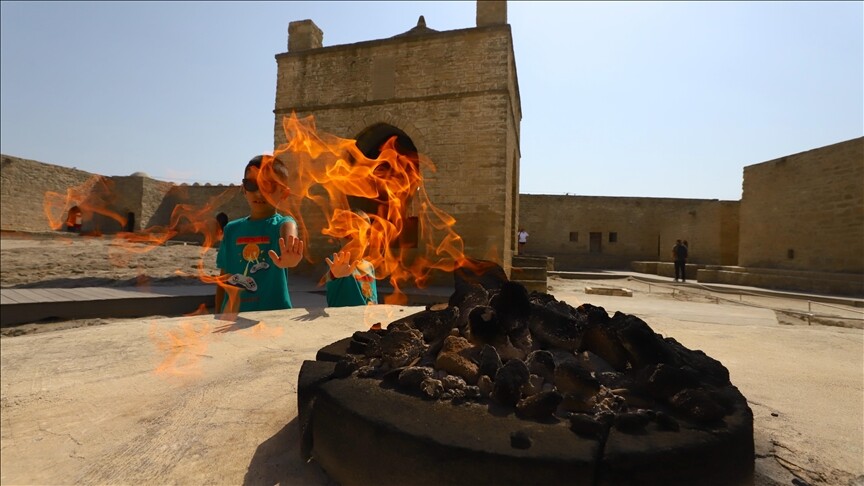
x: 341, y: 264
x: 290, y: 252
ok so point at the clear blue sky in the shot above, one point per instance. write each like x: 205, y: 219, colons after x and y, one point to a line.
x: 665, y: 99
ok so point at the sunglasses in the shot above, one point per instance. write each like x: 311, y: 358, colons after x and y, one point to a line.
x: 251, y: 185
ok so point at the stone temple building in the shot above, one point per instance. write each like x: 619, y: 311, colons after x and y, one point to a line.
x: 452, y: 96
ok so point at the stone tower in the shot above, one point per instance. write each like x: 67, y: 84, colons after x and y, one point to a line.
x: 452, y: 96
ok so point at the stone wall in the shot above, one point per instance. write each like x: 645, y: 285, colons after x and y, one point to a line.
x: 453, y: 93
x: 627, y: 229
x: 23, y: 184
x: 107, y: 201
x: 806, y: 211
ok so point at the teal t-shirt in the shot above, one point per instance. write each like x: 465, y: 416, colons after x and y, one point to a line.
x: 243, y: 254
x: 357, y: 289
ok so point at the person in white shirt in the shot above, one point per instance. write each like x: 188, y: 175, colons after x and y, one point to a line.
x: 523, y: 240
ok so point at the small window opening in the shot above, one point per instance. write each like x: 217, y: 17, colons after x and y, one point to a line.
x: 613, y: 237
x: 574, y: 236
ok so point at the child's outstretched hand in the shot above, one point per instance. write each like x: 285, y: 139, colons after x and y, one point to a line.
x: 341, y: 264
x: 290, y: 252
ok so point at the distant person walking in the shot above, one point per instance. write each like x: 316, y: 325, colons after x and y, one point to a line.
x: 679, y: 254
x: 523, y: 240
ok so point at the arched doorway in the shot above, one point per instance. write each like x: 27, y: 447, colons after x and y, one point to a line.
x: 370, y: 142
x: 74, y: 219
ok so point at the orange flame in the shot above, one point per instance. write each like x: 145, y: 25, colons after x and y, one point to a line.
x: 183, y: 348
x: 313, y: 163
x: 95, y: 195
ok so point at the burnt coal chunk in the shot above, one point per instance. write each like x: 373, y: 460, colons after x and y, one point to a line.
x: 490, y: 361
x: 411, y: 377
x: 644, y: 347
x: 698, y: 404
x: 571, y: 377
x: 631, y: 422
x: 588, y: 426
x: 487, y: 274
x: 512, y: 300
x: 436, y: 324
x: 551, y: 327
x: 595, y: 315
x: 710, y: 370
x: 484, y: 325
x: 542, y: 363
x: 346, y: 366
x: 667, y: 380
x: 602, y: 341
x: 540, y: 407
x: 366, y: 343
x: 507, y: 389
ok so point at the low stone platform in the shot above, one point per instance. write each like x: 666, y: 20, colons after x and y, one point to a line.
x: 115, y: 404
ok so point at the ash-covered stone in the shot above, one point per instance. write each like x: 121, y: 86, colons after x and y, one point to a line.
x: 400, y: 347
x: 432, y: 388
x: 453, y: 382
x: 366, y: 371
x: 411, y: 377
x: 456, y: 358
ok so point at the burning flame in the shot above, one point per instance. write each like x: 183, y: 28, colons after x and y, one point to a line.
x: 312, y: 164
x: 182, y: 347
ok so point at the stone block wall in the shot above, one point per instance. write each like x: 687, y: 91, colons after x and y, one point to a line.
x: 629, y: 228
x: 805, y: 211
x: 23, y: 184
x: 453, y: 93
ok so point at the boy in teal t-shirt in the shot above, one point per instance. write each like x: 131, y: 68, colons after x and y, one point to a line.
x: 350, y: 283
x: 256, y: 250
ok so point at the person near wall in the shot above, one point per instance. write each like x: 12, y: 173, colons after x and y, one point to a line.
x: 351, y: 281
x: 256, y: 250
x: 523, y: 240
x: 679, y: 255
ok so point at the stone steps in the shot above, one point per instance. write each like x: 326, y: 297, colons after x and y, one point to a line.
x: 532, y: 272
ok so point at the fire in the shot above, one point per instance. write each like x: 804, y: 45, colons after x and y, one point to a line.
x: 96, y: 195
x: 182, y: 347
x: 328, y: 170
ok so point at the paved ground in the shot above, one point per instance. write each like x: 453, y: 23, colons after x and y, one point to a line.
x: 196, y: 400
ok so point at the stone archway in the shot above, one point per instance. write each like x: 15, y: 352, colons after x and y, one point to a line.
x: 369, y: 141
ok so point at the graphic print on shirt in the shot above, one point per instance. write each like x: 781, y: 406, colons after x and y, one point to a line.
x: 253, y: 256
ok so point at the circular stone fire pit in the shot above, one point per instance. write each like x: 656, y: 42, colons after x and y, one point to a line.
x: 502, y: 387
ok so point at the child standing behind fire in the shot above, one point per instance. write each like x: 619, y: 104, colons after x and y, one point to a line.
x: 255, y: 281
x: 351, y: 281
